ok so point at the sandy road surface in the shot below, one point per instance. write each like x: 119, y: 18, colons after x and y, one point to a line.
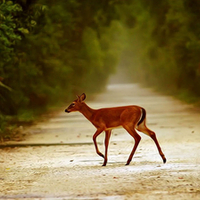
x: 75, y: 172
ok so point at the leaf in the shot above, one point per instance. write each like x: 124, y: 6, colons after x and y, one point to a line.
x: 33, y: 23
x: 5, y: 86
x: 23, y: 30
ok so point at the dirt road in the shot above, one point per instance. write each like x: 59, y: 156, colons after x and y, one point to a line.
x: 74, y: 171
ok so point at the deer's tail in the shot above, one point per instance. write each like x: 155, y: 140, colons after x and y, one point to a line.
x: 143, y: 116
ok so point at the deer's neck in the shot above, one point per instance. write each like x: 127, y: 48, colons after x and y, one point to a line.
x: 87, y: 111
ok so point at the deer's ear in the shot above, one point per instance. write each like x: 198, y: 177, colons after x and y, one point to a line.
x: 78, y: 98
x: 82, y: 97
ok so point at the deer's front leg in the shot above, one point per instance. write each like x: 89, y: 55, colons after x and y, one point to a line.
x: 107, y: 138
x: 99, y: 131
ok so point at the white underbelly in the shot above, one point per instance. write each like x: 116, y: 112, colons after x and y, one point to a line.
x: 116, y: 127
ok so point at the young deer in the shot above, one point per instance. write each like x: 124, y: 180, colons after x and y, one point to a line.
x: 105, y: 119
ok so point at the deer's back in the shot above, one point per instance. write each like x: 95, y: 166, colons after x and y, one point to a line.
x: 116, y: 116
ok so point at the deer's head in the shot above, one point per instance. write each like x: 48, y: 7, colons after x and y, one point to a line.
x: 76, y: 104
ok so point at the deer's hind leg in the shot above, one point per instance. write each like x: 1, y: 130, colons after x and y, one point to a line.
x: 130, y: 129
x: 143, y: 128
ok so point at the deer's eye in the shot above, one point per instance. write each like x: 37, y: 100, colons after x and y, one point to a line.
x: 73, y: 104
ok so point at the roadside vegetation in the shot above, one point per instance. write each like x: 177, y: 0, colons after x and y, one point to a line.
x: 163, y: 48
x: 52, y: 50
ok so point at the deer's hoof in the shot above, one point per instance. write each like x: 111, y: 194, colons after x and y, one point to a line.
x: 126, y: 164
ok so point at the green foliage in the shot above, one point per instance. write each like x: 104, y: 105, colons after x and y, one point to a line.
x: 163, y: 44
x: 8, y: 25
x: 51, y: 50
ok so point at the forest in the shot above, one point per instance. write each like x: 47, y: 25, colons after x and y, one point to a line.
x: 52, y: 50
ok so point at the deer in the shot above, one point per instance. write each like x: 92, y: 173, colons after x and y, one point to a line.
x: 131, y: 118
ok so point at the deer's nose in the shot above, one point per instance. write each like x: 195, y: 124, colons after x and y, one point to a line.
x: 67, y: 111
